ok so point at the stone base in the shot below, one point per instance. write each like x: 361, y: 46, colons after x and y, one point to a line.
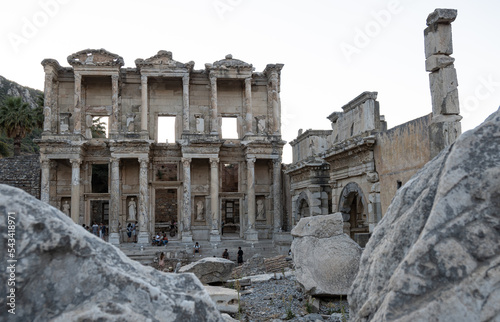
x: 214, y: 236
x: 143, y: 238
x: 187, y: 237
x: 114, y: 239
x: 252, y: 235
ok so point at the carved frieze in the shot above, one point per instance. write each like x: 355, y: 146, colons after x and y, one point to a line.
x: 95, y: 57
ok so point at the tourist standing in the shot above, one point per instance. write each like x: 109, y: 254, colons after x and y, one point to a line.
x: 225, y: 254
x: 134, y: 232
x: 129, y: 232
x: 240, y: 256
x: 95, y: 228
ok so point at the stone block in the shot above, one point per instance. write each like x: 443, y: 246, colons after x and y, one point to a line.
x: 226, y: 299
x: 443, y: 84
x: 210, y: 269
x: 436, y: 62
x: 441, y: 16
x: 444, y: 132
x: 437, y: 40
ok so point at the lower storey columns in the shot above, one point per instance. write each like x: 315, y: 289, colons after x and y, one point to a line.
x: 187, y: 236
x: 277, y: 195
x: 45, y: 191
x: 75, y: 190
x: 214, y: 199
x: 114, y: 237
x: 143, y: 237
x: 251, y: 233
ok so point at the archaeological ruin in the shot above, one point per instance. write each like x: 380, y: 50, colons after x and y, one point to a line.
x: 207, y: 181
x: 356, y: 167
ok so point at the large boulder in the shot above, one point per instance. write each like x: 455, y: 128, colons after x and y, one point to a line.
x: 435, y: 255
x: 210, y: 269
x: 326, y: 260
x: 64, y: 273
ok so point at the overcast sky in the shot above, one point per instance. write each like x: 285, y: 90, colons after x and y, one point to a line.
x: 332, y: 50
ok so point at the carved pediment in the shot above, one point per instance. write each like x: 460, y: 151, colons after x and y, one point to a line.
x: 95, y: 57
x: 162, y: 60
x: 230, y: 62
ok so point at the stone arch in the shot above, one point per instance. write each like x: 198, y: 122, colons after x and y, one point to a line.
x: 354, y: 209
x: 303, y: 206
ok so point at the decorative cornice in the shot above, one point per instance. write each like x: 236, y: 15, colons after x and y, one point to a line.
x: 163, y: 60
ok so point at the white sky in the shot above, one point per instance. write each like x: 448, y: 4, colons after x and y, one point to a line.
x: 318, y: 78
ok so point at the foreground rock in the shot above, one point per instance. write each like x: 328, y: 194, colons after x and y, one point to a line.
x: 435, y: 256
x: 64, y: 273
x: 326, y: 260
x: 210, y: 269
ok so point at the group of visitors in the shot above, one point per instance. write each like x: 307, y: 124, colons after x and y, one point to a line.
x: 132, y: 232
x: 160, y: 239
x: 100, y: 230
x: 225, y: 255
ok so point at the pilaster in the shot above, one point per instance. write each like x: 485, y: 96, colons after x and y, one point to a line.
x: 114, y: 203
x: 187, y: 235
x: 214, y: 199
x: 75, y: 189
x: 143, y: 237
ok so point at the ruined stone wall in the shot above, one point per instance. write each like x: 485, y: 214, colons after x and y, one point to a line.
x: 310, y: 143
x: 399, y: 153
x: 22, y: 172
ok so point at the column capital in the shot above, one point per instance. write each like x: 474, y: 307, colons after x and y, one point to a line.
x: 214, y: 162
x: 115, y: 77
x: 248, y: 81
x: 78, y: 76
x: 186, y: 162
x: 75, y: 162
x: 114, y: 160
x: 144, y: 161
x: 144, y: 79
x: 185, y: 78
x: 251, y: 161
x: 277, y: 161
x: 213, y: 78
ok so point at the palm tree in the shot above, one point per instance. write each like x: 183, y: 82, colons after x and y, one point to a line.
x: 17, y: 119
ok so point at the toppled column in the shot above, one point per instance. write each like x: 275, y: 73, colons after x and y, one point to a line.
x: 445, y: 126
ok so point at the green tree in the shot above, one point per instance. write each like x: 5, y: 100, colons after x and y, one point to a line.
x: 17, y: 120
x: 98, y: 128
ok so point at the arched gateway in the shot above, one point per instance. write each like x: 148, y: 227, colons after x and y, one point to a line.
x: 352, y: 205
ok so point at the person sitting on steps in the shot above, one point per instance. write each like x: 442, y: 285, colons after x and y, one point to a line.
x: 196, y: 249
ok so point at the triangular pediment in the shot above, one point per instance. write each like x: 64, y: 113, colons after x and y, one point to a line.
x: 95, y: 57
x: 162, y: 60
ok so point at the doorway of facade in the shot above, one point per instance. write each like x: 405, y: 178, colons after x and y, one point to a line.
x: 99, y: 212
x: 166, y: 205
x: 231, y: 217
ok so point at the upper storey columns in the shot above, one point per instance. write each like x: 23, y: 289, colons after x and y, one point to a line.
x: 144, y: 105
x: 273, y: 88
x: 214, y: 121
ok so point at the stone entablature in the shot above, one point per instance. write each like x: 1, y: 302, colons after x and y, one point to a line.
x: 181, y: 180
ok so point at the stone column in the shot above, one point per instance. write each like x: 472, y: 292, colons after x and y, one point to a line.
x: 45, y: 190
x: 248, y: 105
x: 277, y: 195
x: 214, y: 199
x: 445, y: 126
x: 114, y: 202
x: 47, y: 107
x: 75, y: 189
x: 251, y: 233
x: 185, y: 103
x: 113, y: 128
x: 275, y: 103
x: 144, y: 105
x: 143, y: 237
x: 214, y: 120
x: 187, y: 236
x: 77, y: 111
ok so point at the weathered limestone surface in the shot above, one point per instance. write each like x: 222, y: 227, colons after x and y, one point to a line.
x: 435, y: 254
x: 210, y: 269
x: 326, y: 260
x: 226, y: 299
x: 63, y: 273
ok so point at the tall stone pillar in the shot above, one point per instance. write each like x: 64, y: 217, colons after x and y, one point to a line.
x: 75, y: 189
x: 251, y: 233
x: 77, y: 111
x: 144, y: 105
x: 214, y: 199
x: 47, y: 107
x: 113, y: 129
x: 45, y: 190
x: 187, y: 235
x: 214, y: 120
x: 114, y: 202
x: 275, y: 103
x: 143, y: 237
x: 185, y: 103
x: 445, y: 126
x: 248, y: 105
x: 277, y: 195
